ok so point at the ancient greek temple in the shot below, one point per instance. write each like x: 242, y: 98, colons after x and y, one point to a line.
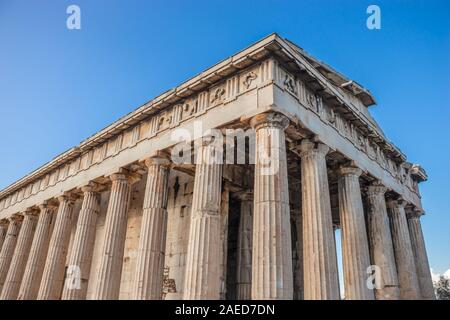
x: 233, y: 185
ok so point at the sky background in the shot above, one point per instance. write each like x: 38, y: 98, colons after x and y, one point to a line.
x: 59, y: 86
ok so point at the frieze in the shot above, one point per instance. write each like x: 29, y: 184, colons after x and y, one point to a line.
x: 177, y: 114
x: 218, y: 96
x: 343, y: 126
x: 188, y: 110
x: 248, y: 79
x: 267, y: 72
x: 232, y: 88
x: 202, y: 102
x: 289, y: 84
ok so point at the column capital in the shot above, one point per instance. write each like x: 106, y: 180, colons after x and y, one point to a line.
x: 349, y: 170
x: 124, y: 174
x: 48, y: 204
x: 414, y: 213
x: 156, y: 157
x: 208, y: 149
x: 31, y: 212
x: 118, y: 176
x: 307, y: 147
x: 157, y: 160
x: 269, y: 119
x: 399, y: 203
x: 91, y: 187
x: 376, y: 189
x: 17, y: 217
x: 67, y: 196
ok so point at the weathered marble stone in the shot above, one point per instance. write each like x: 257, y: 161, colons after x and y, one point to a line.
x: 7, y: 252
x: 272, y: 276
x: 179, y: 210
x: 355, y: 247
x: 319, y: 251
x: 404, y: 256
x: 3, y: 231
x: 53, y: 275
x: 202, y: 274
x: 38, y: 253
x: 381, y: 247
x: 19, y: 259
x: 80, y: 258
x: 109, y: 274
x: 152, y: 241
x: 420, y: 255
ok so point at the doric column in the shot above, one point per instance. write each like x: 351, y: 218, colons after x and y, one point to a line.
x: 3, y: 231
x: 380, y: 241
x: 152, y: 240
x: 110, y: 271
x: 203, y: 260
x: 38, y: 252
x: 355, y: 247
x: 19, y: 259
x: 319, y: 250
x: 272, y: 276
x: 404, y: 256
x: 53, y: 275
x: 77, y: 277
x: 8, y: 246
x: 244, y: 248
x: 420, y: 254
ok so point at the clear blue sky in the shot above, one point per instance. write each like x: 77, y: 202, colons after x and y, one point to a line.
x: 59, y: 86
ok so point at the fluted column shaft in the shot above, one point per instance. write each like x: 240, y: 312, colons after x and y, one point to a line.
x: 319, y: 250
x: 355, y: 247
x: 8, y: 247
x: 110, y: 271
x: 36, y: 260
x: 19, y: 259
x: 420, y: 255
x: 272, y: 276
x: 404, y: 256
x: 244, y: 250
x: 3, y: 231
x: 152, y: 241
x: 202, y: 275
x: 76, y: 282
x: 380, y: 241
x: 53, y: 275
